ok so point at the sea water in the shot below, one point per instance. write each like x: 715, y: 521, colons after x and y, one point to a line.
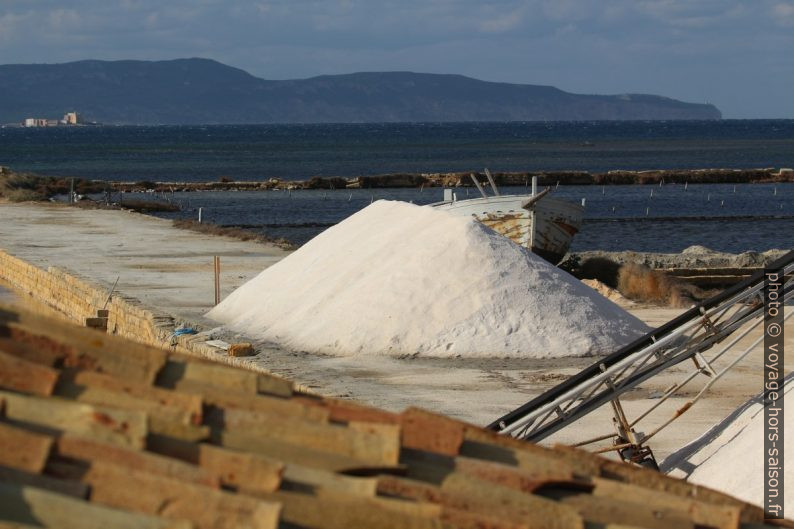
x: 722, y: 217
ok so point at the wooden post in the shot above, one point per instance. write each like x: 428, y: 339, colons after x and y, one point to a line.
x: 217, y: 263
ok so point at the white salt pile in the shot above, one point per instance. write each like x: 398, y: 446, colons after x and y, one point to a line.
x: 401, y: 279
x: 730, y: 456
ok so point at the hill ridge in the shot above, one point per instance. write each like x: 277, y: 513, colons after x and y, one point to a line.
x: 205, y: 91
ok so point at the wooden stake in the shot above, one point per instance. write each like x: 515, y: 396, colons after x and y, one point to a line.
x: 217, y: 264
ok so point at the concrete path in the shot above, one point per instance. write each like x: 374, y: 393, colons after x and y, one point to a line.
x: 164, y: 267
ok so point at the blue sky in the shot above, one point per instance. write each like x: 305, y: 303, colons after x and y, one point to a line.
x: 736, y: 54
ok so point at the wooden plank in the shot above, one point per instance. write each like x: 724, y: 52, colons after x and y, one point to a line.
x: 23, y: 449
x: 433, y: 468
x: 98, y: 388
x: 651, y: 480
x: 86, y: 349
x: 469, y: 520
x: 337, y: 511
x: 466, y: 493
x: 39, y: 350
x: 701, y: 513
x: 347, y: 411
x: 293, y: 453
x: 535, y: 460
x: 43, y: 482
x: 430, y: 467
x: 240, y: 470
x: 29, y: 505
x: 625, y: 511
x: 121, y: 427
x: 247, y: 472
x: 323, y: 479
x: 483, y: 500
x: 274, y: 385
x: 238, y: 403
x: 139, y: 491
x: 89, y: 450
x: 424, y: 430
x: 376, y: 448
x: 12, y: 525
x: 199, y: 375
x: 178, y: 430
x: 483, y: 444
x: 512, y: 477
x: 407, y: 488
x: 27, y: 377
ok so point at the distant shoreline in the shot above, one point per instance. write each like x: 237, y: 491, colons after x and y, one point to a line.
x: 463, y: 179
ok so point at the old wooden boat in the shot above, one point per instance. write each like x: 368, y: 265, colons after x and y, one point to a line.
x: 543, y: 224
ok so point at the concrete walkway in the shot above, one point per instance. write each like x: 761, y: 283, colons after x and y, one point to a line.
x: 164, y: 267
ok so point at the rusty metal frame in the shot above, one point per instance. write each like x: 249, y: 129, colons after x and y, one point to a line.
x: 688, y: 337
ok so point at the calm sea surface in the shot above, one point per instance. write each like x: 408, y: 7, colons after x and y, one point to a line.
x: 751, y: 217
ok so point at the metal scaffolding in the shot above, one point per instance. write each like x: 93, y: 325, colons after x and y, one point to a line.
x: 689, y: 337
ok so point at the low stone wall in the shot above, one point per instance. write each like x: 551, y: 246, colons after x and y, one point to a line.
x: 82, y: 300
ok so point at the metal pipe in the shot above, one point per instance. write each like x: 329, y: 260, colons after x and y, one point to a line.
x: 691, y: 376
x: 574, y: 392
x: 683, y: 409
x: 653, y: 343
x: 491, y: 181
x: 477, y: 183
x: 641, y: 355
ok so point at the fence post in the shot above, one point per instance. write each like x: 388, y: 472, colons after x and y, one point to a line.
x: 217, y: 264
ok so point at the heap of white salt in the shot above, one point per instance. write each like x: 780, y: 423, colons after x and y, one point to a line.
x: 730, y: 457
x: 400, y: 279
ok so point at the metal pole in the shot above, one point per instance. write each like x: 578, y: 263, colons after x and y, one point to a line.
x: 199, y: 215
x: 71, y: 191
x: 217, y: 265
x: 491, y: 181
x: 477, y: 184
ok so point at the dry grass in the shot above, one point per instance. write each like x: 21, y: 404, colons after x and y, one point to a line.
x: 141, y: 206
x: 22, y: 195
x: 640, y: 283
x: 28, y: 187
x: 235, y: 233
x: 600, y: 268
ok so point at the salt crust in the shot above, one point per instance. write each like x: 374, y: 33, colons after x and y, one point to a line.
x: 730, y: 456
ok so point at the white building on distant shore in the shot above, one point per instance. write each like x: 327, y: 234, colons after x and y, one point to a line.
x: 70, y: 118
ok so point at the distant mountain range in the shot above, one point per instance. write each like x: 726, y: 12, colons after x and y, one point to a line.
x: 202, y: 91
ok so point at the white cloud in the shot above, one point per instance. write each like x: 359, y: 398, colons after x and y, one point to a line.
x: 502, y: 23
x: 783, y: 13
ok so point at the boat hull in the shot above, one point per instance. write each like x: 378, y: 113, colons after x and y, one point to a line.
x: 547, y: 229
